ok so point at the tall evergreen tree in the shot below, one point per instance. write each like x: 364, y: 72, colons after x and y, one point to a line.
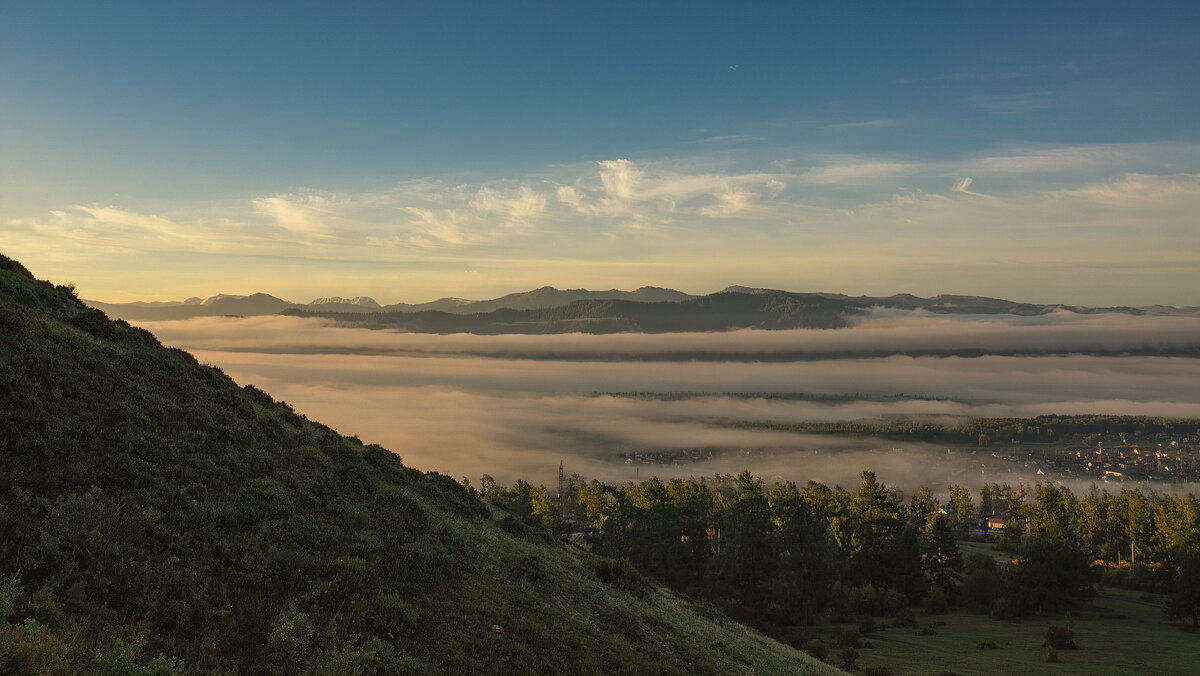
x: 883, y: 548
x: 963, y: 514
x: 941, y: 557
x: 806, y: 562
x: 743, y: 558
x: 921, y: 508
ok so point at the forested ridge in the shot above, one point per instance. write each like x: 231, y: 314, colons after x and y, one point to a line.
x: 156, y: 518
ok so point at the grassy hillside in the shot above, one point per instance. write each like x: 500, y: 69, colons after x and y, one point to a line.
x: 717, y: 312
x: 155, y: 518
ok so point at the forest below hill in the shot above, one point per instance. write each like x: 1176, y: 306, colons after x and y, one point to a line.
x: 786, y: 558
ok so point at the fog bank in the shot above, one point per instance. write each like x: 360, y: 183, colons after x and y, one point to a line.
x: 454, y: 404
x: 882, y: 331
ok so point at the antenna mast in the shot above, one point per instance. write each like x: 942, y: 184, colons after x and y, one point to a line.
x: 562, y: 490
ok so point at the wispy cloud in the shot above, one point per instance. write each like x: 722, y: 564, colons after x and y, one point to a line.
x: 964, y: 187
x: 1052, y: 160
x: 867, y: 124
x: 853, y: 171
x: 766, y: 214
x: 1134, y: 190
x: 731, y: 139
x: 1018, y: 103
x: 311, y: 214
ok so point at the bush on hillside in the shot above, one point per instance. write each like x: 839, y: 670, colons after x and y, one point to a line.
x: 849, y: 658
x: 816, y: 648
x: 1060, y: 638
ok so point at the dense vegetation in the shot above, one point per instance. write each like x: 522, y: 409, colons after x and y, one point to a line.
x: 717, y: 312
x: 782, y: 555
x: 155, y: 518
x: 1084, y: 429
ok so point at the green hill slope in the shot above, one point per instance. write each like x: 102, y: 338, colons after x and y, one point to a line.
x: 155, y: 518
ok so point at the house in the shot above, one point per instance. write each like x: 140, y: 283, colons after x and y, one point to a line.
x: 995, y: 523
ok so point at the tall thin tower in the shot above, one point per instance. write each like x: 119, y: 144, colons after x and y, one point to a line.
x: 562, y: 490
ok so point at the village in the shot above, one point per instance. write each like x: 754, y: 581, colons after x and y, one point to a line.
x: 1154, y: 460
x: 1170, y: 461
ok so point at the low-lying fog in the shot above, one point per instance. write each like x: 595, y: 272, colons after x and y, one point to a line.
x: 442, y: 406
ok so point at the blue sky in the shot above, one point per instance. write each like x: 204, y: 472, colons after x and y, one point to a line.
x: 411, y: 150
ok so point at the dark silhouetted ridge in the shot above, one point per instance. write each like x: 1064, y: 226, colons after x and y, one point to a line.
x: 717, y: 312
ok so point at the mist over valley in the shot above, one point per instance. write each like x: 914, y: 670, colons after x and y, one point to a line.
x: 621, y: 406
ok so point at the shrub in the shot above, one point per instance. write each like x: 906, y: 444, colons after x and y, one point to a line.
x: 927, y: 631
x: 866, y: 624
x: 988, y: 645
x: 793, y: 636
x: 889, y: 602
x: 978, y: 561
x: 291, y: 639
x: 864, y: 599
x: 1004, y: 608
x: 1051, y: 654
x: 878, y: 671
x: 618, y: 572
x: 979, y: 589
x: 849, y: 659
x: 1060, y: 638
x: 816, y: 648
x: 847, y: 638
x: 10, y: 592
x: 840, y: 604
x: 905, y: 618
x: 936, y: 601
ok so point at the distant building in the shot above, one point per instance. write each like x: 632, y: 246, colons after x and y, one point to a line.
x: 995, y: 523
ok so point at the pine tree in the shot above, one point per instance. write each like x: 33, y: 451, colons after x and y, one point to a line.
x: 744, y: 559
x: 922, y: 507
x: 942, y: 559
x: 806, y: 562
x: 962, y: 510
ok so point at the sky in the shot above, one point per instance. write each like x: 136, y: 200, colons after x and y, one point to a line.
x: 1044, y: 152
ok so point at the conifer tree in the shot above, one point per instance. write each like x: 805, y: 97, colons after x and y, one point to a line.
x: 942, y: 559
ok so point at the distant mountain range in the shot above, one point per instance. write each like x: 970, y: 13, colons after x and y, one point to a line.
x: 266, y: 304
x: 715, y: 312
x: 600, y: 315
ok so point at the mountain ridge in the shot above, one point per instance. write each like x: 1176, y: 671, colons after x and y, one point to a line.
x: 547, y: 297
x: 715, y: 312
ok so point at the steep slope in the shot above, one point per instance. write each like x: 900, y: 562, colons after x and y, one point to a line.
x: 155, y: 518
x: 718, y: 312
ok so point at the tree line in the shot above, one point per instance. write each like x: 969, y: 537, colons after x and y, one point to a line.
x: 790, y: 553
x: 1086, y: 429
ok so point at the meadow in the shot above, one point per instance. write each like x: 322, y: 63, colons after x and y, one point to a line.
x: 1120, y: 632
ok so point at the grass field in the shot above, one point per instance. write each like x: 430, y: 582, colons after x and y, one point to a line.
x: 1121, y: 632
